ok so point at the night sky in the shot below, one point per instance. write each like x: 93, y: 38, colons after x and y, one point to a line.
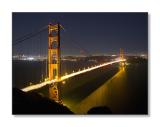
x: 87, y: 33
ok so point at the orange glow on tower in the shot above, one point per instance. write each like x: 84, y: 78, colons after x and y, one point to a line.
x: 54, y: 59
x: 54, y: 51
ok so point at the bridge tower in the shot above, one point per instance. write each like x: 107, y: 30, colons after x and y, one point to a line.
x: 54, y: 59
x: 122, y: 63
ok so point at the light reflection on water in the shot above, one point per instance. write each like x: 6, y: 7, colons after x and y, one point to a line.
x: 105, y: 95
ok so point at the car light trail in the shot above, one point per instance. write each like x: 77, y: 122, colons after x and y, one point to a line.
x: 37, y: 86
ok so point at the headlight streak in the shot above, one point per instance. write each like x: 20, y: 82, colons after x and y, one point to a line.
x: 39, y: 85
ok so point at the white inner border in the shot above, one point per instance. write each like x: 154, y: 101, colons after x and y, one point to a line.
x: 9, y: 6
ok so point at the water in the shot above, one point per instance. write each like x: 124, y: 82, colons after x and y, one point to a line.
x: 124, y: 91
x: 26, y: 73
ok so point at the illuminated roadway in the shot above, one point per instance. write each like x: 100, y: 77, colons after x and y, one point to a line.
x: 39, y: 85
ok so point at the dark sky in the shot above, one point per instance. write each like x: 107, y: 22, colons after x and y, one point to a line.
x: 92, y: 33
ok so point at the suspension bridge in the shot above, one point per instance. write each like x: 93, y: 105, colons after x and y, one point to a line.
x: 53, y: 61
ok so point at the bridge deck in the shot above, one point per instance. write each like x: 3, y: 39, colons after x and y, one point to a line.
x: 39, y: 85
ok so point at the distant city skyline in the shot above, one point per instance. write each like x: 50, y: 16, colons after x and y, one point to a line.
x: 84, y: 33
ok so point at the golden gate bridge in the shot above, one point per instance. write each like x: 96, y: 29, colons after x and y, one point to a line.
x: 54, y: 61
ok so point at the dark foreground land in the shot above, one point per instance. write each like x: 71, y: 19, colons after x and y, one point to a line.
x: 34, y: 103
